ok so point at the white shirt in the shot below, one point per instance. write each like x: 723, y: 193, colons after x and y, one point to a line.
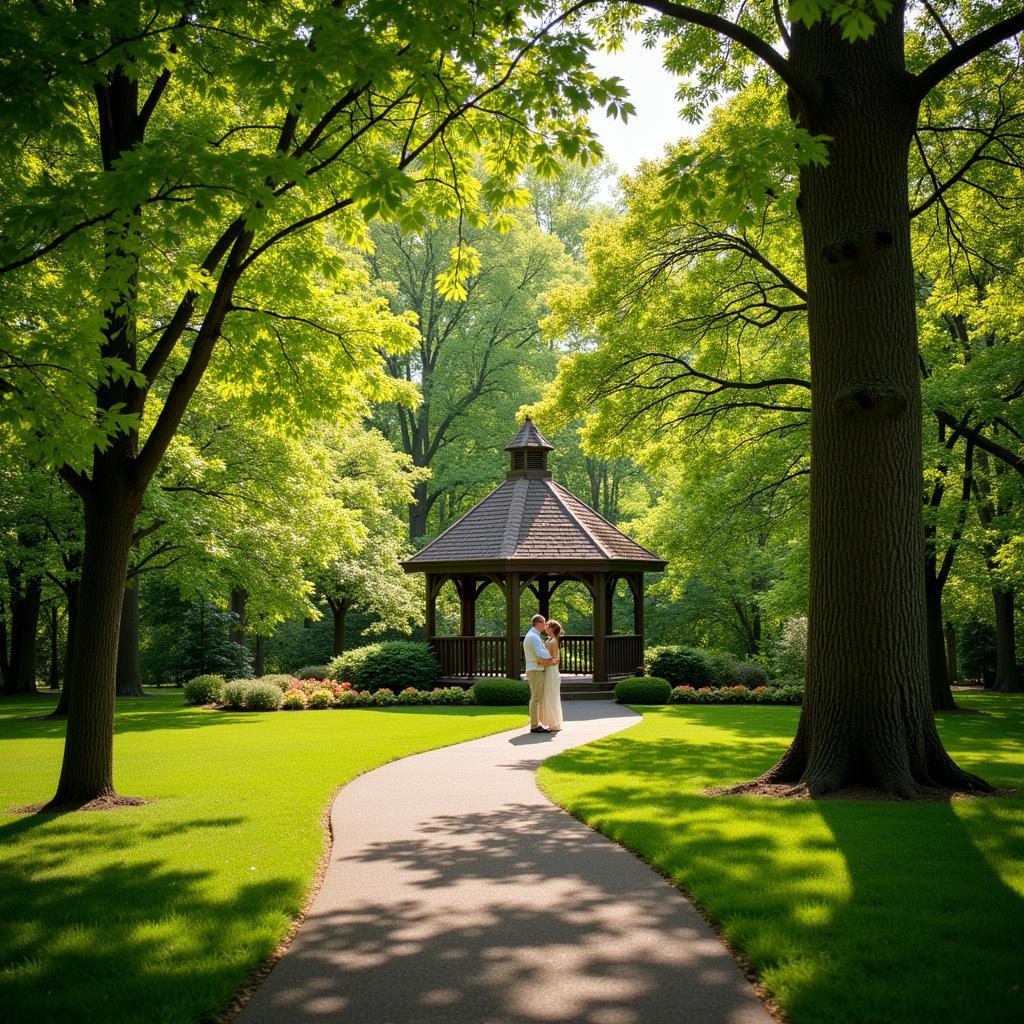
x: 534, y: 649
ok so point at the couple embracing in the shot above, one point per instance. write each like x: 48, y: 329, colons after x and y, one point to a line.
x: 540, y: 652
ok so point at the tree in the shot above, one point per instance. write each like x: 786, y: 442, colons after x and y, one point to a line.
x: 476, y: 355
x: 376, y: 483
x: 848, y: 86
x: 176, y: 170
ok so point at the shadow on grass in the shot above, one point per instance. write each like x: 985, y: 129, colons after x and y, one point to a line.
x: 853, y: 912
x: 122, y: 933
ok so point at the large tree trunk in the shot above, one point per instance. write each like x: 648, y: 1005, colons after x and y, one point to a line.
x: 867, y: 716
x: 25, y: 601
x: 1007, y: 676
x: 110, y: 511
x: 952, y: 664
x: 129, y: 673
x: 69, y: 650
x: 419, y: 509
x: 938, y: 670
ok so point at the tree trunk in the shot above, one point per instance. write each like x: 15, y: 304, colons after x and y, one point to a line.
x: 340, y: 610
x: 25, y: 600
x: 110, y: 511
x: 938, y: 670
x: 866, y: 717
x: 951, y: 659
x: 236, y: 604
x: 418, y: 511
x: 54, y: 681
x: 61, y: 710
x: 259, y: 656
x: 1007, y: 678
x: 129, y: 674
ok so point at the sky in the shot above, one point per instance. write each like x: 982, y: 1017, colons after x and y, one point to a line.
x: 652, y: 91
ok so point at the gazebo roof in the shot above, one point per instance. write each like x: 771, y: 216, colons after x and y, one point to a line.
x: 530, y: 521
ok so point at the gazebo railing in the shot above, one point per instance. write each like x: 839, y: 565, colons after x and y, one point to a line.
x: 466, y: 657
x: 624, y: 654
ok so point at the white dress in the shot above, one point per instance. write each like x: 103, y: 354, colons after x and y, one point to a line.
x: 551, y: 698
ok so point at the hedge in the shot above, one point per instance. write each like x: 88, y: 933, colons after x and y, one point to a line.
x: 643, y: 690
x: 501, y: 692
x: 781, y: 693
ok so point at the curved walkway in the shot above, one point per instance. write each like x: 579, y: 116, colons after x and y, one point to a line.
x: 458, y: 894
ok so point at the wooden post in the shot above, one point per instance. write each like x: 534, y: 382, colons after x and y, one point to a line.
x: 513, y: 648
x: 600, y: 617
x: 431, y: 621
x: 638, y: 605
x: 467, y: 605
x: 609, y: 608
x: 544, y: 596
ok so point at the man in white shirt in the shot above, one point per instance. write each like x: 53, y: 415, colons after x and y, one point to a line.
x: 537, y: 658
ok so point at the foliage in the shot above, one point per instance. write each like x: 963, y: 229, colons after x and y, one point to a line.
x: 233, y: 694
x: 293, y: 700
x: 314, y: 672
x: 643, y: 690
x: 800, y: 887
x: 679, y: 665
x: 500, y: 692
x: 284, y: 682
x: 394, y: 664
x: 791, y: 649
x: 976, y: 650
x: 204, y: 690
x: 320, y: 698
x: 448, y: 695
x: 261, y: 696
x: 345, y: 665
x: 212, y: 886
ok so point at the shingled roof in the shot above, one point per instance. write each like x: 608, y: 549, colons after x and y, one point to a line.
x: 532, y: 519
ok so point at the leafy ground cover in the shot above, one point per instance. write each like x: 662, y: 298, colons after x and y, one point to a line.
x: 158, y: 913
x: 851, y: 912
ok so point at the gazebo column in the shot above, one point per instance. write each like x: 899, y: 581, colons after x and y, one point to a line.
x: 466, y: 586
x: 609, y: 606
x: 638, y: 604
x: 600, y: 592
x: 544, y: 596
x: 431, y: 618
x: 513, y: 648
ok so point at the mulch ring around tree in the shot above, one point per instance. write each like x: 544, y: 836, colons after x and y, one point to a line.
x: 103, y: 803
x: 787, y: 791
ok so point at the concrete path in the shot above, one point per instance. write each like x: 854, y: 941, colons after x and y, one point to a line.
x: 458, y: 894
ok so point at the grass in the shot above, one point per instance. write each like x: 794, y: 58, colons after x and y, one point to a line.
x: 158, y: 913
x: 851, y: 912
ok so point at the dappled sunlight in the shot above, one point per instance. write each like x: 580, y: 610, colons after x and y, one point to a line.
x: 820, y: 894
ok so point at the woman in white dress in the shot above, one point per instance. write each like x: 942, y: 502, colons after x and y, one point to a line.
x: 551, y: 696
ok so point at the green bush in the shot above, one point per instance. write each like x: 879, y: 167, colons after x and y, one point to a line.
x: 643, y: 690
x: 448, y: 695
x: 260, y: 696
x: 204, y: 690
x: 320, y: 699
x: 410, y: 695
x: 500, y: 692
x: 750, y: 674
x: 680, y: 666
x: 781, y: 693
x: 232, y: 694
x: 285, y: 683
x: 384, y: 697
x: 343, y: 667
x: 394, y: 665
x: 314, y: 672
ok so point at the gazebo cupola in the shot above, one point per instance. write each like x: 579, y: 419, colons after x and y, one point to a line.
x: 529, y: 451
x: 532, y: 534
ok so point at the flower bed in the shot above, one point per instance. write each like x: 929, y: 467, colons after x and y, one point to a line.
x: 781, y: 693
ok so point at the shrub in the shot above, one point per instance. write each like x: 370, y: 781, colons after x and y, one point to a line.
x: 320, y: 698
x: 282, y: 681
x: 395, y: 665
x: 293, y: 700
x: 383, y: 697
x: 749, y: 673
x: 204, y: 690
x: 410, y: 695
x: 680, y: 666
x: 260, y: 696
x: 500, y: 692
x: 345, y: 665
x: 785, y: 693
x: 791, y: 651
x: 643, y: 690
x: 448, y: 695
x: 232, y: 694
x: 722, y: 666
x: 314, y: 672
x: 348, y: 699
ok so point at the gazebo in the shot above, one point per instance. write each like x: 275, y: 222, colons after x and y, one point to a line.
x: 530, y: 533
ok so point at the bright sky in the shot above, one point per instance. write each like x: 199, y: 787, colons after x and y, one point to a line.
x: 652, y: 90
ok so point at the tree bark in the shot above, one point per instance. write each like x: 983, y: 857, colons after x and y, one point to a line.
x: 110, y: 512
x: 419, y: 509
x: 866, y: 717
x: 129, y: 674
x: 938, y: 669
x: 952, y: 667
x: 1007, y: 677
x: 25, y: 601
x: 340, y: 610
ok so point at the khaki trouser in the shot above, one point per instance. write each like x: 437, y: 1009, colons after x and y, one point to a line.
x: 535, y: 677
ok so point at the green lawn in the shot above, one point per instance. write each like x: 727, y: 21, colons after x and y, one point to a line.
x: 158, y: 913
x: 852, y: 912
